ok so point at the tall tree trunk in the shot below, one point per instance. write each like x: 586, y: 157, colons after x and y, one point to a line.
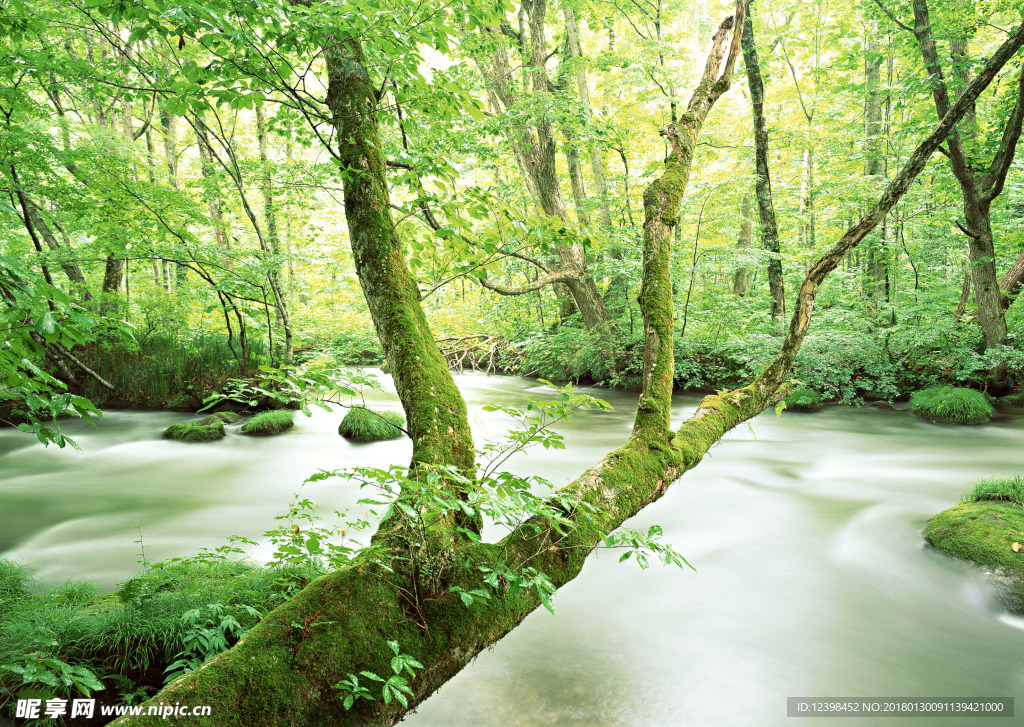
x: 273, y: 237
x: 741, y: 279
x: 575, y: 55
x: 763, y: 184
x: 535, y: 151
x: 979, y: 184
x: 875, y: 272
x: 169, y: 125
x: 212, y: 188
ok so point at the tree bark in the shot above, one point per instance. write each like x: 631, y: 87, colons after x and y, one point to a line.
x: 763, y: 185
x: 741, y: 279
x: 278, y: 674
x: 535, y: 151
x: 874, y: 274
x: 979, y: 184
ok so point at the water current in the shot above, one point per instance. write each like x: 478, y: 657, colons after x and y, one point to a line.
x: 812, y: 577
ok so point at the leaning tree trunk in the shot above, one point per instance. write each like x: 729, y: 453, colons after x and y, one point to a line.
x: 282, y: 671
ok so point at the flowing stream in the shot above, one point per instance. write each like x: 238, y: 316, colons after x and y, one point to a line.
x: 812, y: 577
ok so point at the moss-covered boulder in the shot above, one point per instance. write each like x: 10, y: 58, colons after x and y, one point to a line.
x: 228, y: 417
x: 985, y: 532
x: 951, y: 405
x: 201, y: 431
x: 269, y: 422
x: 803, y: 400
x: 363, y: 425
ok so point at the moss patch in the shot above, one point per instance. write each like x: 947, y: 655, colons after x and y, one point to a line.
x: 270, y: 422
x: 984, y: 532
x: 951, y: 405
x: 364, y: 425
x: 803, y: 400
x: 228, y: 417
x: 196, y: 431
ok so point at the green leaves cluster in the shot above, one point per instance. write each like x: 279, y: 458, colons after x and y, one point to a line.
x: 35, y: 317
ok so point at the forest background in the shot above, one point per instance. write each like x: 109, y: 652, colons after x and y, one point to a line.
x: 198, y: 207
x: 192, y: 197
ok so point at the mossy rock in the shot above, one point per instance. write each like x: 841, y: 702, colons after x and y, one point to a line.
x: 228, y: 417
x: 269, y: 422
x: 364, y: 425
x: 1011, y: 400
x: 885, y: 405
x: 803, y: 400
x: 984, y: 532
x: 202, y: 431
x: 183, y: 401
x: 951, y: 405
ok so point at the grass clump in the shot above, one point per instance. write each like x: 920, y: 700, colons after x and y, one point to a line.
x: 363, y: 425
x: 1010, y: 488
x: 270, y: 422
x: 228, y: 417
x: 129, y: 638
x: 201, y: 431
x: 1011, y: 400
x: 951, y: 405
x: 803, y: 400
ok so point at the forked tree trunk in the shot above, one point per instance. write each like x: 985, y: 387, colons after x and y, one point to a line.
x: 282, y: 671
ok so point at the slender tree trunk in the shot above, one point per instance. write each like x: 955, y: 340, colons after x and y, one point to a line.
x: 763, y: 185
x: 979, y: 185
x: 212, y: 188
x: 169, y: 124
x: 874, y: 274
x: 741, y: 279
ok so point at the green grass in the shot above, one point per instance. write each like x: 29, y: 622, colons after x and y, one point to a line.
x: 196, y: 431
x: 129, y: 637
x: 270, y: 422
x: 363, y: 425
x: 163, y: 369
x: 951, y: 405
x: 803, y: 400
x: 1010, y: 487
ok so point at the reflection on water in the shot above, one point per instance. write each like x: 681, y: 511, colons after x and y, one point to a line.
x: 812, y: 578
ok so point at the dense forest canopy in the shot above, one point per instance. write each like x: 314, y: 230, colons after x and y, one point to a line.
x: 639, y: 194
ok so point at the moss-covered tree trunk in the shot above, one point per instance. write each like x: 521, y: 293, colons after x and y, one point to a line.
x: 434, y: 406
x: 282, y: 671
x: 763, y: 184
x: 980, y: 184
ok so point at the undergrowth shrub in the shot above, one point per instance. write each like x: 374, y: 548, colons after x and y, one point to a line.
x: 161, y: 369
x: 803, y: 400
x: 128, y: 638
x: 951, y: 405
x: 363, y: 425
